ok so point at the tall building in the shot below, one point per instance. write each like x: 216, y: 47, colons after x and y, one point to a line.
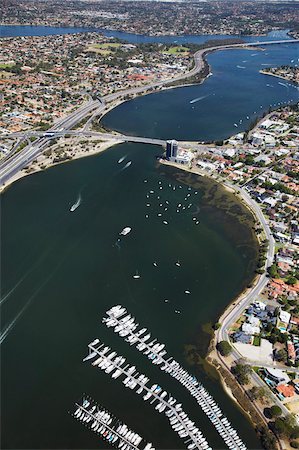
x: 171, y: 149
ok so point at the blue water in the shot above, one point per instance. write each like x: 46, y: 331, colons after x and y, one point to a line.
x: 27, y: 30
x: 63, y: 270
x: 236, y: 93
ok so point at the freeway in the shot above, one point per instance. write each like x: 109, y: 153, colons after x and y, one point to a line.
x: 10, y: 166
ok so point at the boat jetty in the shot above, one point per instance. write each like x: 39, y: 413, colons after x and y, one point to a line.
x: 111, y: 429
x: 124, y: 324
x: 102, y: 357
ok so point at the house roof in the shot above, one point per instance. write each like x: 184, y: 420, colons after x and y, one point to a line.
x: 286, y: 390
x: 278, y: 374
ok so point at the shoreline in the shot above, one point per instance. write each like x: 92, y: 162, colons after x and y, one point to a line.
x: 200, y: 64
x: 230, y: 386
x: 112, y: 30
x: 200, y: 68
x: 46, y: 163
x: 278, y: 76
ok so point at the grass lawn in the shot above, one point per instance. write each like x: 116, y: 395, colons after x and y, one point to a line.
x: 6, y: 65
x: 178, y: 50
x: 104, y: 49
x: 257, y: 341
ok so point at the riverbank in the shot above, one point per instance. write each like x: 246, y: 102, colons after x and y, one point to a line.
x: 264, y: 72
x: 49, y: 159
x: 252, y: 409
x: 116, y: 99
x: 200, y: 71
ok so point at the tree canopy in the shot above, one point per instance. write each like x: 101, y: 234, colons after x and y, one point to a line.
x: 224, y: 348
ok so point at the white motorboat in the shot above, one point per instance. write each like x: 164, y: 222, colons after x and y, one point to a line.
x: 136, y: 276
x: 125, y: 231
x: 76, y: 205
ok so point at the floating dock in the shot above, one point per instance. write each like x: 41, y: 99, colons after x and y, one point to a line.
x: 124, y: 324
x: 102, y: 357
x: 100, y: 421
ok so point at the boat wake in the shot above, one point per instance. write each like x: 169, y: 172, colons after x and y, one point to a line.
x: 6, y: 296
x: 198, y: 99
x: 283, y: 84
x: 241, y: 67
x: 127, y: 165
x: 77, y: 204
x: 9, y: 327
x: 121, y: 159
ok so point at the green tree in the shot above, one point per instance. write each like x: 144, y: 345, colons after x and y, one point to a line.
x: 275, y: 411
x: 268, y: 440
x: 241, y: 372
x: 224, y: 348
x: 258, y: 393
x: 281, y: 355
x: 291, y: 280
x: 280, y: 426
x: 295, y: 434
x: 286, y: 426
x: 273, y: 272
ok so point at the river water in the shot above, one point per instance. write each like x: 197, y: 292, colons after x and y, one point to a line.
x: 226, y: 103
x: 39, y: 30
x: 61, y: 270
x: 64, y: 269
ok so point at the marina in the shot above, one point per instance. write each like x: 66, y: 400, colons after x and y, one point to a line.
x: 77, y: 270
x: 102, y: 357
x: 124, y: 324
x: 101, y: 421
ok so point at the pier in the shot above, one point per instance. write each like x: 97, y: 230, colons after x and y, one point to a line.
x: 102, y: 357
x: 111, y: 429
x: 124, y: 324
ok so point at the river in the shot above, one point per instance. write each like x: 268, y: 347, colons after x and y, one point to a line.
x: 61, y: 270
x: 40, y: 30
x: 224, y: 104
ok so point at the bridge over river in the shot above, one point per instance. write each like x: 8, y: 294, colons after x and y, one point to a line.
x: 15, y: 161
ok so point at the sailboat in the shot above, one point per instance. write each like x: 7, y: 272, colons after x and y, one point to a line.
x: 136, y: 276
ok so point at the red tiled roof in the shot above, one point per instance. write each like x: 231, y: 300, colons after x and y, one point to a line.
x: 286, y: 390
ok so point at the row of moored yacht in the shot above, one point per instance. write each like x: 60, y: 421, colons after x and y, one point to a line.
x: 124, y: 324
x: 102, y: 422
x: 102, y: 357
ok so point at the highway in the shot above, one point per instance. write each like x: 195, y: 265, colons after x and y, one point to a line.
x: 11, y: 165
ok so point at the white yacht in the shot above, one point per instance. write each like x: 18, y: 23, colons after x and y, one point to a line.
x: 125, y: 231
